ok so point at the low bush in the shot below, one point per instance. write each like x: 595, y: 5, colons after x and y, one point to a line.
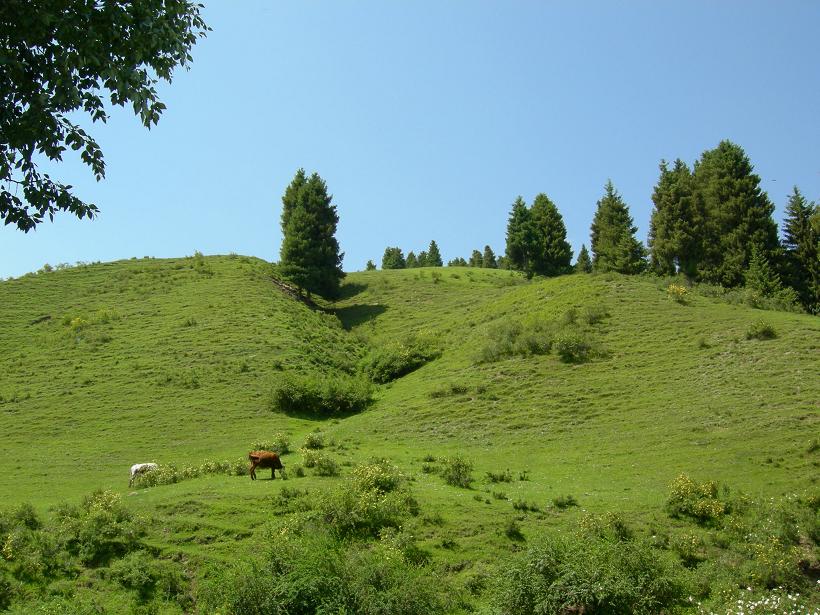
x: 320, y: 395
x: 500, y: 477
x: 150, y: 577
x: 314, y: 440
x: 677, y: 293
x: 395, y: 360
x: 564, y: 501
x: 574, y: 348
x: 696, y: 500
x: 514, y: 338
x: 760, y: 330
x: 326, y: 466
x: 457, y: 472
x: 170, y: 474
x: 280, y: 444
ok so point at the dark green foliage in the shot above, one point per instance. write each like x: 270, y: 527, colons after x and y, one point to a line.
x: 422, y: 258
x: 457, y: 472
x: 500, y: 477
x: 476, y: 259
x: 433, y: 256
x: 370, y: 266
x: 52, y: 69
x: 309, y: 255
x: 551, y: 254
x: 488, y: 259
x: 411, y: 260
x: 320, y: 395
x: 564, y: 501
x: 515, y: 338
x: 457, y: 262
x: 677, y: 224
x: 761, y: 330
x: 563, y: 574
x: 760, y: 276
x: 149, y: 576
x: 393, y: 259
x: 584, y: 263
x: 574, y: 348
x: 397, y: 359
x: 738, y: 214
x: 614, y: 246
x: 519, y: 236
x: 802, y: 242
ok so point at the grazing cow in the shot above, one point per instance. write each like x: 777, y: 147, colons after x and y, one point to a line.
x: 141, y: 468
x: 265, y: 459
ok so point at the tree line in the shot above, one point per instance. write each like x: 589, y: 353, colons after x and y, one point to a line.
x: 712, y: 223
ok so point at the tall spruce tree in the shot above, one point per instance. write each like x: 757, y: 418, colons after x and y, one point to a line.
x: 434, y: 256
x: 370, y: 266
x: 393, y: 259
x: 476, y: 259
x: 488, y: 260
x: 422, y: 259
x: 738, y: 215
x: 519, y: 237
x: 309, y: 255
x: 760, y: 277
x: 614, y: 246
x: 801, y: 242
x: 584, y: 263
x: 551, y: 253
x: 677, y: 223
x: 411, y: 261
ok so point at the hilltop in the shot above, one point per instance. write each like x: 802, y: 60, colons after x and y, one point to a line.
x: 173, y: 361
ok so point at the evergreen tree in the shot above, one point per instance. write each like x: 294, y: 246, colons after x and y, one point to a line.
x: 393, y: 259
x: 422, y: 259
x: 476, y: 259
x: 614, y: 246
x: 551, y: 254
x: 309, y: 255
x: 434, y: 256
x: 676, y: 225
x: 801, y: 242
x: 584, y: 263
x: 760, y: 276
x: 502, y: 262
x: 457, y: 262
x: 519, y: 236
x: 738, y: 214
x: 488, y: 260
x: 411, y: 261
x: 370, y: 266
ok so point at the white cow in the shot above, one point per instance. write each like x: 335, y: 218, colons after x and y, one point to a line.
x: 141, y: 468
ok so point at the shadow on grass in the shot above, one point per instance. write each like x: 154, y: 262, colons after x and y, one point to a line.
x: 351, y: 289
x: 355, y: 315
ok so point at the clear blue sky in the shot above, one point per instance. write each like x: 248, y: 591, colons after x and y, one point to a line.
x: 428, y: 118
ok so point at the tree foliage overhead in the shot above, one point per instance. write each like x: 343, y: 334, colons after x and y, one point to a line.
x: 60, y: 57
x: 738, y: 214
x: 614, y: 246
x: 310, y: 255
x: 677, y: 224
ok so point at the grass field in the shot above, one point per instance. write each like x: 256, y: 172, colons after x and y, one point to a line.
x: 173, y: 361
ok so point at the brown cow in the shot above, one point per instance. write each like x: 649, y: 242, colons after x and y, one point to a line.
x: 265, y: 459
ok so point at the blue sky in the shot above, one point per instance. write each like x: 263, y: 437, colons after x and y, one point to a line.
x: 427, y: 118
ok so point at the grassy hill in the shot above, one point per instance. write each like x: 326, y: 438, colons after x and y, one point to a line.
x: 173, y: 361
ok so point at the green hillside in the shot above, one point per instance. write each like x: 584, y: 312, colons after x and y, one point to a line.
x: 173, y: 361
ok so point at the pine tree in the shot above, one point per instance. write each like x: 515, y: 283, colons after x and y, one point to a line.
x: 760, y: 277
x: 738, y: 215
x: 309, y: 255
x: 676, y: 226
x: 800, y: 240
x: 476, y: 259
x: 393, y: 259
x: 457, y: 262
x: 422, y: 259
x: 434, y: 256
x: 411, y: 261
x: 584, y: 263
x: 488, y: 260
x: 519, y: 236
x: 551, y: 253
x: 370, y: 266
x: 614, y: 246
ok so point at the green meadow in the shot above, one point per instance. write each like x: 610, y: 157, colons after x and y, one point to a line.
x: 550, y: 404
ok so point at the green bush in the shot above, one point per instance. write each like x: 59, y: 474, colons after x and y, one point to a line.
x: 696, y: 500
x: 150, y: 577
x: 314, y: 440
x: 588, y: 574
x: 395, y: 360
x: 761, y: 330
x: 457, y: 472
x: 320, y: 395
x: 574, y: 348
x: 326, y: 466
x: 280, y: 444
x: 564, y: 501
x: 514, y: 338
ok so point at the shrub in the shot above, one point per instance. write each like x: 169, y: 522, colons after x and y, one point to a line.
x: 457, y: 472
x: 513, y: 338
x: 314, y: 440
x: 588, y: 574
x: 280, y: 444
x: 573, y: 348
x: 760, y: 330
x: 326, y: 466
x: 595, y: 314
x: 500, y: 477
x: 149, y: 576
x: 395, y: 360
x: 564, y: 501
x: 696, y: 500
x: 320, y: 395
x: 677, y: 293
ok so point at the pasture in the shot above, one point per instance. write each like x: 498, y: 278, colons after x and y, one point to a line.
x: 173, y: 361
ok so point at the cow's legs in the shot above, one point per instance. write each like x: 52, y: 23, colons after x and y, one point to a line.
x: 253, y: 470
x: 272, y: 473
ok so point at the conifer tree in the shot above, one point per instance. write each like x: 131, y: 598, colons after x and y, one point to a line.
x: 550, y: 252
x: 422, y: 259
x: 738, y: 214
x: 519, y: 236
x: 584, y: 263
x: 801, y: 242
x: 434, y: 256
x: 760, y: 276
x: 476, y: 259
x: 370, y: 266
x: 411, y: 261
x: 393, y: 259
x: 614, y: 246
x: 309, y: 255
x: 457, y: 262
x: 676, y: 225
x: 488, y: 259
